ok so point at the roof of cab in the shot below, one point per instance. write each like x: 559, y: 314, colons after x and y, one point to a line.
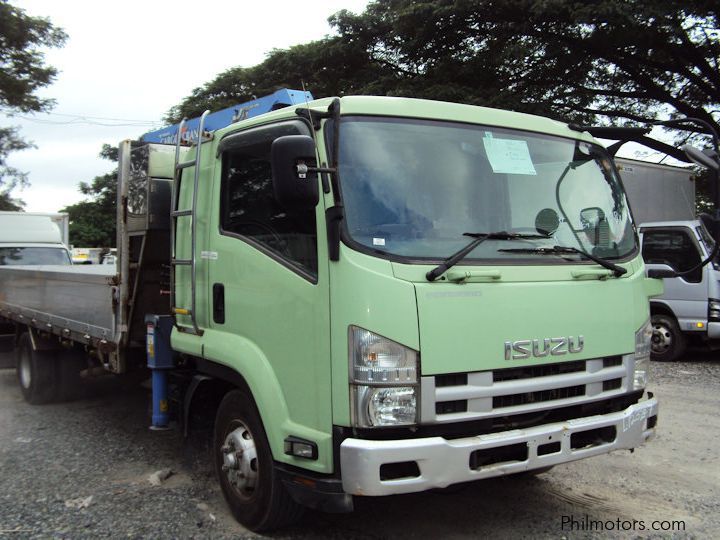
x: 423, y: 109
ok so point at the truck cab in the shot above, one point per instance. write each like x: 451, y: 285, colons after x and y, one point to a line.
x: 368, y: 296
x: 462, y: 298
x: 28, y: 238
x: 689, y: 309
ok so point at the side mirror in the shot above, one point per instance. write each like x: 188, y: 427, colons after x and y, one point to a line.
x: 709, y: 160
x: 295, y: 183
x: 547, y: 222
x: 595, y: 226
x: 661, y: 274
x: 661, y: 271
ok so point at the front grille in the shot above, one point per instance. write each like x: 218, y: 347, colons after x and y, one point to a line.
x: 451, y: 379
x: 612, y: 361
x: 524, y: 390
x: 514, y: 400
x: 532, y: 372
x: 447, y: 407
x: 612, y: 384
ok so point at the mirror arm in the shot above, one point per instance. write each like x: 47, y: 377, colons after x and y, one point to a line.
x: 302, y: 170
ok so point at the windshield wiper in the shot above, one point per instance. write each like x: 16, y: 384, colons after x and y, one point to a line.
x: 478, y: 238
x: 617, y: 270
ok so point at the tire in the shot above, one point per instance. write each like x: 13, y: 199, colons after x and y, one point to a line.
x: 668, y: 342
x: 244, y: 467
x: 36, y: 372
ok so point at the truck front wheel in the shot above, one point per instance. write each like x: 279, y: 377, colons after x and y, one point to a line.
x: 668, y: 342
x: 36, y: 372
x: 244, y: 466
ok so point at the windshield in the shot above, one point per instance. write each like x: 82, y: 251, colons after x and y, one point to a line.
x: 33, y: 256
x: 412, y: 188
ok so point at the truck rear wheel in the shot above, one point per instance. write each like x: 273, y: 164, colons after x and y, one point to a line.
x: 36, y: 372
x: 668, y: 342
x: 244, y: 466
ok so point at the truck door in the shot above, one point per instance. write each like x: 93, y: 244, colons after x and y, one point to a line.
x: 268, y: 291
x: 678, y: 248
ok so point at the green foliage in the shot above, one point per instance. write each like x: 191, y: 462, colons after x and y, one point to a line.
x: 615, y: 59
x: 22, y: 68
x: 612, y: 61
x: 22, y: 73
x: 327, y: 67
x: 10, y: 177
x: 704, y: 194
x: 92, y: 221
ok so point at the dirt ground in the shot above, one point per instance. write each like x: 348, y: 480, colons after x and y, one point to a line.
x: 81, y: 470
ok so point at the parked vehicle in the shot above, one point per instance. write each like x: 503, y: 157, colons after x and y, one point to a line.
x: 110, y: 257
x: 689, y: 309
x: 30, y: 239
x: 33, y: 238
x: 367, y: 296
x: 88, y: 255
x: 658, y: 192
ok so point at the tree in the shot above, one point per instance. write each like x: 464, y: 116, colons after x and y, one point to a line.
x: 327, y: 67
x: 612, y: 59
x: 10, y: 177
x: 22, y: 73
x: 92, y: 222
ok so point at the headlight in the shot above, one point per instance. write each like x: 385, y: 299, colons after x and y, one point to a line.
x: 713, y: 310
x: 383, y: 378
x: 643, y: 343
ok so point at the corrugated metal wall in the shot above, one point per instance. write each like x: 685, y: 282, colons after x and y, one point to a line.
x: 657, y: 192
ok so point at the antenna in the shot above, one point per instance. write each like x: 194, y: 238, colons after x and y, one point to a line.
x: 307, y: 106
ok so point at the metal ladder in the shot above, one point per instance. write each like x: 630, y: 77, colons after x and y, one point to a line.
x: 176, y: 213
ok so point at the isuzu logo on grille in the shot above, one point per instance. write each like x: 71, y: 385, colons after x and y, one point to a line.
x: 539, y: 348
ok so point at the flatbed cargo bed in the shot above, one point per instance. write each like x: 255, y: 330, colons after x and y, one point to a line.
x: 75, y: 302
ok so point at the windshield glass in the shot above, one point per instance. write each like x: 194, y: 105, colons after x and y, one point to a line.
x: 411, y: 188
x: 33, y: 256
x: 706, y: 237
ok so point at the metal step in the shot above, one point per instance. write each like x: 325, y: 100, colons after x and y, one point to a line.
x: 179, y: 213
x: 185, y: 165
x: 181, y: 262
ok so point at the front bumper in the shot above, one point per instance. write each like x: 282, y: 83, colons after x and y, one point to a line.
x: 443, y: 462
x: 713, y: 329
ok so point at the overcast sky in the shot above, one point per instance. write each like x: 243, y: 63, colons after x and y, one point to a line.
x: 126, y: 63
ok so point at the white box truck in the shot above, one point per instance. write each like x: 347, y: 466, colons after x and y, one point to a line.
x: 662, y: 198
x: 28, y: 238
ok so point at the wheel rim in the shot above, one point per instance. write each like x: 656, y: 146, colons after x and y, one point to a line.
x: 662, y: 339
x: 25, y: 370
x: 240, y: 463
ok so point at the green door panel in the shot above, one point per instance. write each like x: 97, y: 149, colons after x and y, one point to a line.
x: 275, y: 332
x: 248, y: 359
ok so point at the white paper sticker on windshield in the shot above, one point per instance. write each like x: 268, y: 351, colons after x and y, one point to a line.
x: 508, y: 156
x: 378, y: 241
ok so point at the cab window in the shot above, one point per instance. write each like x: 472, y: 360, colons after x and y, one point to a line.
x: 675, y: 248
x: 249, y: 208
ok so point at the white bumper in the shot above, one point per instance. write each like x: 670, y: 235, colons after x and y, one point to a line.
x: 442, y: 462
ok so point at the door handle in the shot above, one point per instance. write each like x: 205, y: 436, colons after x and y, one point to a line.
x: 219, y: 303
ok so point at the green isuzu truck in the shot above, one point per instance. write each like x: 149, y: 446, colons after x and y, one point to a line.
x: 369, y: 296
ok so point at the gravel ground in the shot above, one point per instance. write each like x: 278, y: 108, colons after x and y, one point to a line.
x: 81, y: 470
